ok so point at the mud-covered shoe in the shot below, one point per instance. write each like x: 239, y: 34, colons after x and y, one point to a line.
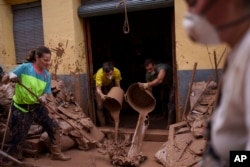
x: 60, y: 157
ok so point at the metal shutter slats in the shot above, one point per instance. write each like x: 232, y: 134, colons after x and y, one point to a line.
x: 28, y: 29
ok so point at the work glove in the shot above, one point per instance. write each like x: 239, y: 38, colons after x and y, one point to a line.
x: 143, y: 85
x: 13, y: 77
x: 43, y: 99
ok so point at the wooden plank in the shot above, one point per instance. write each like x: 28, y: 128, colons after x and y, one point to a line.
x: 189, y: 92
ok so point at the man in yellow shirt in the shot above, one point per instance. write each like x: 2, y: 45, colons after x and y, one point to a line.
x: 105, y: 78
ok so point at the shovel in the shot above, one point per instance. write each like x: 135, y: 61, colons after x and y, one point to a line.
x: 23, y: 164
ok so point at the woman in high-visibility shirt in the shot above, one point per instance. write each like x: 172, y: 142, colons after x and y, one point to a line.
x: 27, y: 108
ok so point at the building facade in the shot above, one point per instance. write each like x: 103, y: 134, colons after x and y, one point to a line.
x: 84, y: 34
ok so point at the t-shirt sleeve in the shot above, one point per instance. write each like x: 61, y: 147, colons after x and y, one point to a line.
x: 48, y: 85
x: 19, y: 70
x: 98, y: 78
x: 163, y: 66
x: 118, y: 76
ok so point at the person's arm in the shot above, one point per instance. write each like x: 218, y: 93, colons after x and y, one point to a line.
x: 5, y: 79
x: 47, y: 94
x: 99, y: 92
x: 10, y: 77
x: 47, y: 89
x: 14, y: 76
x: 118, y: 77
x: 117, y: 83
x: 98, y: 84
x: 156, y: 81
x: 43, y: 99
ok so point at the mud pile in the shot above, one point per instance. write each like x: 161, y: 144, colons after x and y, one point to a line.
x: 119, y: 154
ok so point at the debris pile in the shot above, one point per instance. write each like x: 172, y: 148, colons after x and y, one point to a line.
x: 143, y: 102
x: 202, y: 100
x: 187, y: 141
x: 118, y: 151
x: 6, y: 93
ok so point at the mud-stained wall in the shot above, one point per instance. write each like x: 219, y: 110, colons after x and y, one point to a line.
x: 7, y: 49
x: 64, y: 35
x: 187, y: 53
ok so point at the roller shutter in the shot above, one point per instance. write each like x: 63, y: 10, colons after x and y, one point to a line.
x: 28, y: 28
x: 92, y: 8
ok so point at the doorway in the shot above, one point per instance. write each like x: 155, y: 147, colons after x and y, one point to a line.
x: 150, y: 36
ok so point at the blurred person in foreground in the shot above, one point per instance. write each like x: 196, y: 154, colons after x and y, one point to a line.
x: 213, y: 22
x: 105, y: 78
x: 26, y: 108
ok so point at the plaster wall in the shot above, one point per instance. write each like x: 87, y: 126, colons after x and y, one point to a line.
x: 7, y: 48
x: 63, y: 33
x: 188, y: 52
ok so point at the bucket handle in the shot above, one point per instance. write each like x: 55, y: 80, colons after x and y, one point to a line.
x: 125, y: 96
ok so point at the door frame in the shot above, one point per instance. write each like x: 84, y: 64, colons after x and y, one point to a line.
x: 90, y: 72
x: 90, y: 80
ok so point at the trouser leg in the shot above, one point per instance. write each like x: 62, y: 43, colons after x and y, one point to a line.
x: 164, y: 98
x: 53, y: 130
x: 99, y: 112
x: 56, y: 151
x: 107, y: 115
x: 20, y: 123
x: 156, y: 92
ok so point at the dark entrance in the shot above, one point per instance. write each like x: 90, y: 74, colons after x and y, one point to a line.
x: 150, y: 36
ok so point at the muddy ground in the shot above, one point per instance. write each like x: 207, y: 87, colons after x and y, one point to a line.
x: 93, y: 158
x: 201, y: 107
